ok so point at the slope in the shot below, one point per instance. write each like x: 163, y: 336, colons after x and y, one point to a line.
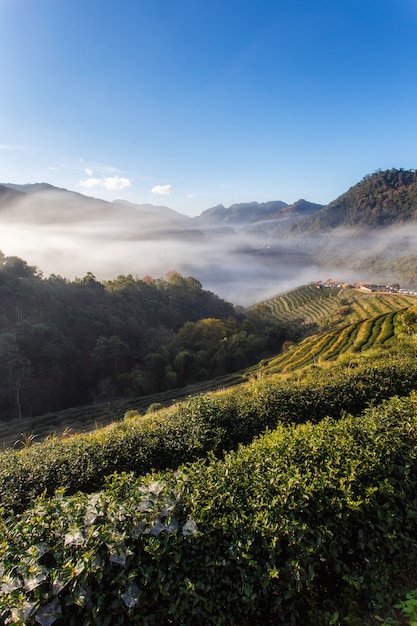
x: 313, y: 308
x: 354, y: 321
x: 381, y: 199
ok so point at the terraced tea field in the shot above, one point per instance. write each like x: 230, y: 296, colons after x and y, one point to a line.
x: 309, y: 309
x: 303, y: 307
x: 354, y: 338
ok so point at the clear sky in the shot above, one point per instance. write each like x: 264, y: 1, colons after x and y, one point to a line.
x: 193, y: 103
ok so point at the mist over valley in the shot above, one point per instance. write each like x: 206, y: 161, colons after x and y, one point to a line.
x: 244, y: 253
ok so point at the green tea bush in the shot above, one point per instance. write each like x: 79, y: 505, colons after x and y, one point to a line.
x: 189, y: 430
x: 309, y: 525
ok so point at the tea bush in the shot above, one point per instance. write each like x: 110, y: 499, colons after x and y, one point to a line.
x: 309, y: 525
x: 189, y: 430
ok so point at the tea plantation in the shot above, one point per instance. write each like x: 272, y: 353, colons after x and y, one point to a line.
x: 287, y: 499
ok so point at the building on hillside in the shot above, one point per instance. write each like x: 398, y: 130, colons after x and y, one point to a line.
x: 369, y: 287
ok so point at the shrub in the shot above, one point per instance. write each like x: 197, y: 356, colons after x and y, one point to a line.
x: 189, y: 430
x: 309, y: 525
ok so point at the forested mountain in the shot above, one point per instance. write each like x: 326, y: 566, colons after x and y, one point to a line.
x: 64, y: 342
x: 381, y: 199
x: 368, y: 233
x: 241, y: 212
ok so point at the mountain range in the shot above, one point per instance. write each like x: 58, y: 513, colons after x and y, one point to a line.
x: 244, y: 251
x: 381, y: 199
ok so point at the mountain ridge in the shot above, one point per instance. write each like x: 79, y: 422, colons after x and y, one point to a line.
x: 383, y: 198
x: 244, y: 252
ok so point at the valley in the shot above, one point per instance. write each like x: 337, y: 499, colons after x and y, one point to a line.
x: 169, y: 458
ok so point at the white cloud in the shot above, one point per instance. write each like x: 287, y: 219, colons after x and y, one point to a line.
x: 162, y: 190
x: 52, y: 169
x: 90, y: 183
x: 192, y: 195
x: 117, y: 182
x: 88, y: 171
x: 111, y: 182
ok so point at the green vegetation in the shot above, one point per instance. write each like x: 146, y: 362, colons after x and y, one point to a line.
x: 376, y: 331
x: 348, y: 306
x: 191, y: 429
x: 307, y: 525
x: 288, y: 497
x: 64, y: 343
x: 308, y: 309
x: 383, y: 198
x: 87, y: 418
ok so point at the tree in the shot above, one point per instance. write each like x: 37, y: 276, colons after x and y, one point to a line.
x: 15, y: 369
x: 18, y: 282
x: 109, y: 353
x: 156, y: 364
x: 183, y: 363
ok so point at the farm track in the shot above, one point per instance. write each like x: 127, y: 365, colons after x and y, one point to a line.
x: 91, y: 417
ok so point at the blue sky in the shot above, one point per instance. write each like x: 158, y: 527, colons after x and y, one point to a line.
x: 194, y: 103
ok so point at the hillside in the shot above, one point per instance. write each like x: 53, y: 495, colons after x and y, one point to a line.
x: 9, y: 195
x: 333, y: 322
x: 384, y: 198
x: 319, y: 326
x: 288, y: 520
x: 324, y: 306
x: 270, y: 496
x: 66, y: 343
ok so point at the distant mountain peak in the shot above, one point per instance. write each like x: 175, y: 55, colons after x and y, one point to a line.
x: 33, y: 187
x: 153, y: 209
x: 303, y: 207
x: 242, y: 212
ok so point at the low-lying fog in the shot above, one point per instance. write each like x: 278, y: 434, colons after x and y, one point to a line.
x: 70, y: 239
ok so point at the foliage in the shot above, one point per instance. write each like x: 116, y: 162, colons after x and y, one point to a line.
x: 309, y: 309
x: 382, y: 198
x: 408, y: 607
x: 65, y: 343
x: 308, y: 525
x: 190, y: 429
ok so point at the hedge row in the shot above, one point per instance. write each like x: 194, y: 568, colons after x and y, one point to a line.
x: 187, y: 431
x: 309, y: 525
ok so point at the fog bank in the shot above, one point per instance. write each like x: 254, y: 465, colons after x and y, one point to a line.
x: 70, y: 235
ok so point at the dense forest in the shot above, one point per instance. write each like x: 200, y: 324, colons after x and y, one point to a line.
x: 379, y: 199
x: 63, y: 343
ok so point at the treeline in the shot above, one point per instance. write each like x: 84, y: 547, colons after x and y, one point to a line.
x: 64, y: 343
